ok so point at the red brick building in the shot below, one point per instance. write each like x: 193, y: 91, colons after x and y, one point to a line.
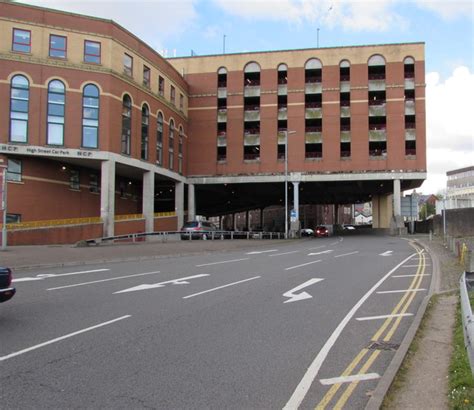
x: 102, y: 133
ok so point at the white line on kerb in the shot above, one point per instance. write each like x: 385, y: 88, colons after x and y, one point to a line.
x: 284, y: 253
x: 349, y: 379
x: 383, y: 316
x: 304, y: 264
x: 58, y: 339
x: 103, y: 280
x: 217, y: 263
x: 313, y: 370
x: 346, y: 254
x: 401, y: 291
x: 220, y: 287
x: 410, y: 276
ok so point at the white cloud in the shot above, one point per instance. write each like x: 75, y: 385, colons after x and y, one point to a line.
x: 449, y: 9
x: 355, y: 15
x: 450, y: 125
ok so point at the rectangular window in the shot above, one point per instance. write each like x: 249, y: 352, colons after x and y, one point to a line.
x: 13, y: 218
x: 74, y: 182
x: 128, y: 64
x: 181, y: 102
x: 146, y: 76
x: 94, y: 183
x: 57, y: 46
x: 172, y: 95
x: 91, y: 52
x: 21, y: 40
x: 14, y: 170
x: 161, y: 86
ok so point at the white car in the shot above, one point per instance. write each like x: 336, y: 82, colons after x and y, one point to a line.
x: 348, y: 227
x: 307, y: 232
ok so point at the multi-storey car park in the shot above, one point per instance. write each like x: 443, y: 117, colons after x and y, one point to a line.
x: 102, y: 136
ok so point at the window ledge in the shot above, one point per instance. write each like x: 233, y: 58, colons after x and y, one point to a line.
x: 16, y: 182
x: 74, y: 190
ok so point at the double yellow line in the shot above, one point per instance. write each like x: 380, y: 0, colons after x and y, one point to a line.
x: 400, y: 308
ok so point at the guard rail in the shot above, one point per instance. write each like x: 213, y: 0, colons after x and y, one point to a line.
x: 467, y: 316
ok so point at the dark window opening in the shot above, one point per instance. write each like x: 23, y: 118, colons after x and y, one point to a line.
x: 251, y: 103
x: 313, y: 100
x: 74, y: 181
x: 126, y: 124
x: 14, y: 170
x: 251, y: 127
x: 221, y: 103
x: 221, y: 153
x: 172, y: 95
x: 376, y: 72
x: 410, y: 122
x: 282, y: 101
x: 251, y: 152
x: 313, y: 75
x: 222, y: 80
x: 410, y: 147
x: 221, y: 128
x: 377, y: 97
x: 377, y: 148
x: 314, y: 125
x: 282, y: 125
x: 314, y: 150
x: 94, y: 183
x: 344, y: 74
x: 161, y: 86
x: 409, y: 95
x: 251, y: 79
x: 345, y: 99
x: 345, y: 123
x: 146, y: 76
x: 281, y: 151
x: 13, y: 218
x: 409, y: 70
x: 377, y: 123
x: 144, y: 140
x: 282, y: 77
x: 345, y: 149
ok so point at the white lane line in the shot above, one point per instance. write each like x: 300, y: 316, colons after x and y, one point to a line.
x: 401, y: 291
x: 346, y: 254
x: 412, y: 266
x: 58, y: 339
x: 317, y: 247
x: 304, y: 264
x: 103, y: 280
x: 258, y: 252
x: 334, y: 243
x: 179, y: 281
x: 220, y: 287
x: 350, y: 379
x: 217, y: 263
x: 410, y: 276
x: 313, y: 370
x: 383, y: 316
x: 386, y: 253
x: 320, y: 253
x: 56, y: 275
x: 284, y: 253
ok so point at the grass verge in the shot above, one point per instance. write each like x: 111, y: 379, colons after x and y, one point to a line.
x: 461, y: 382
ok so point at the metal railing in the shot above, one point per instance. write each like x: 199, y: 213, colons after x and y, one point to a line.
x: 467, y: 318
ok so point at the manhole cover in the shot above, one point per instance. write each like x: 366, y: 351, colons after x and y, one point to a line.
x: 383, y: 346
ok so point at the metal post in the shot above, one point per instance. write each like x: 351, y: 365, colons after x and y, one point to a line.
x: 223, y: 45
x: 444, y: 217
x: 4, y: 208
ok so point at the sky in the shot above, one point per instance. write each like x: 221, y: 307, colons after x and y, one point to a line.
x: 182, y: 27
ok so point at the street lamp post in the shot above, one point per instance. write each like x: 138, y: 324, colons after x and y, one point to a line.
x: 286, y: 180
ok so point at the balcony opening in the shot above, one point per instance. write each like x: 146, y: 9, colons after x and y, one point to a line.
x: 282, y: 74
x: 313, y: 100
x: 222, y: 104
x: 281, y: 152
x: 314, y: 150
x: 221, y: 153
x: 377, y: 148
x: 377, y: 97
x: 221, y: 128
x: 252, y: 75
x: 314, y: 125
x: 377, y: 123
x: 282, y: 102
x: 313, y: 71
x: 251, y: 127
x: 345, y: 123
x: 345, y: 71
x: 345, y: 99
x: 222, y: 78
x: 251, y: 152
x: 410, y: 122
x: 376, y: 67
x: 345, y: 149
x: 410, y: 148
x: 252, y: 103
x: 409, y: 95
x: 409, y: 67
x: 282, y: 125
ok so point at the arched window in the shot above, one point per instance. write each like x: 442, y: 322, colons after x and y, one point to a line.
x: 313, y: 71
x: 56, y: 112
x: 376, y: 65
x: 159, y: 139
x: 409, y: 67
x: 90, y: 116
x: 180, y: 150
x: 344, y: 70
x: 252, y: 75
x: 222, y: 77
x: 19, y: 99
x: 282, y: 74
x: 145, y: 124
x: 126, y: 124
x: 171, y: 145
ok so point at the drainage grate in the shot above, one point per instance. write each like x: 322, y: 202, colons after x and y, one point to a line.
x: 383, y: 346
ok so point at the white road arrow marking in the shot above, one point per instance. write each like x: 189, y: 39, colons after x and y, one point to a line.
x: 386, y: 253
x: 180, y: 281
x: 320, y: 253
x: 257, y: 252
x: 303, y: 295
x: 56, y: 275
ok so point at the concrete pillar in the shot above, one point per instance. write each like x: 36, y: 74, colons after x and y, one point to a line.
x: 234, y: 222
x: 397, y: 204
x: 179, y: 203
x: 336, y: 213
x: 191, y: 203
x: 148, y: 200
x: 107, y: 196
x: 261, y: 218
x: 247, y: 220
x: 220, y: 222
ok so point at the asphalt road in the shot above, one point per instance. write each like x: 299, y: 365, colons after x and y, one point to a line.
x: 298, y: 324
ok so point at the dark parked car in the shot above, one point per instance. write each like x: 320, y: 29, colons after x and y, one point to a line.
x: 199, y: 230
x: 6, y: 290
x: 321, y: 231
